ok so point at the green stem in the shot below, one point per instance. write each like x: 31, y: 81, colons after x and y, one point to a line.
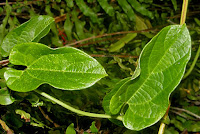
x: 162, y: 125
x: 184, y: 11
x: 193, y: 64
x: 77, y: 110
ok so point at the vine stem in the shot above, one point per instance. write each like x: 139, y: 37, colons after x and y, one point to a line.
x: 162, y: 125
x: 83, y: 113
x: 193, y: 64
x: 183, y: 12
x: 47, y: 117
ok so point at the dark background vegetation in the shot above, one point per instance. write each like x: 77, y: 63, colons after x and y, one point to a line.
x: 78, y: 21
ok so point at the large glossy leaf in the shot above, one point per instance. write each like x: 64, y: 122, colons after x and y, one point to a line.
x: 64, y: 68
x: 162, y: 64
x: 30, y: 31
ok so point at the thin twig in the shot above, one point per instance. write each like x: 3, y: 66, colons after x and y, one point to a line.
x: 110, y: 34
x: 60, y: 18
x: 4, y: 62
x: 6, y: 128
x: 28, y: 2
x: 184, y: 116
x: 121, y: 56
x: 162, y: 125
x: 178, y: 113
x: 98, y: 41
x: 188, y: 14
x: 186, y: 111
x: 48, y: 118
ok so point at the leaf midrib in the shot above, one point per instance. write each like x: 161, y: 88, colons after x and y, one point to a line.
x: 63, y: 71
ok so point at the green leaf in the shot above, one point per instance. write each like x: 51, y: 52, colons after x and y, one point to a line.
x: 171, y: 130
x: 119, y: 44
x: 121, y: 85
x: 146, y: 1
x: 122, y: 66
x: 34, y: 122
x: 34, y: 100
x: 5, y: 97
x: 79, y: 25
x: 127, y: 9
x: 23, y: 114
x: 2, y: 80
x: 197, y: 21
x: 192, y: 126
x: 55, y: 36
x: 140, y: 23
x: 70, y: 129
x: 54, y: 132
x: 3, y: 29
x: 93, y: 128
x: 162, y: 64
x: 174, y: 4
x: 122, y: 18
x: 30, y: 31
x: 87, y: 11
x: 107, y: 7
x: 70, y: 3
x: 107, y: 98
x: 68, y: 25
x: 65, y: 68
x: 140, y: 8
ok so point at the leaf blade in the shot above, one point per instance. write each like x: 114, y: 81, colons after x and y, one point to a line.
x: 140, y: 8
x: 107, y: 7
x: 162, y: 67
x: 127, y: 9
x: 70, y: 129
x: 121, y: 43
x: 5, y: 97
x: 32, y: 30
x: 64, y: 68
x: 87, y: 11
